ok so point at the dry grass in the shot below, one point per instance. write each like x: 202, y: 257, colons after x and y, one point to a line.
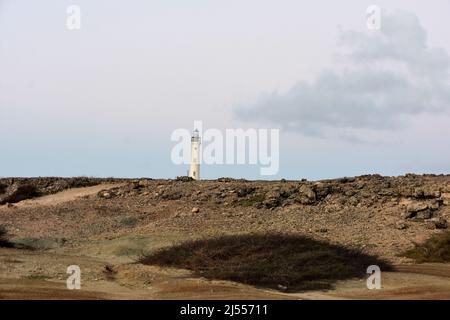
x: 276, y: 261
x: 435, y: 249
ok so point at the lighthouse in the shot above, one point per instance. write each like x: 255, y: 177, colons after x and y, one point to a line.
x: 194, y: 171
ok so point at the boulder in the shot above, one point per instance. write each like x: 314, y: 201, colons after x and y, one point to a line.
x: 245, y: 191
x: 440, y: 223
x: 143, y: 183
x: 426, y: 192
x: 445, y: 197
x: 18, y: 192
x: 306, y: 195
x: 415, y: 207
x: 425, y: 214
x: 272, y: 199
x: 434, y: 205
x: 322, y: 190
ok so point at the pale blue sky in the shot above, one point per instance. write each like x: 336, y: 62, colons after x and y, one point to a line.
x: 103, y: 101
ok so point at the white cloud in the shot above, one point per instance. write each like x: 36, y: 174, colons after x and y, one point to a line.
x: 383, y: 79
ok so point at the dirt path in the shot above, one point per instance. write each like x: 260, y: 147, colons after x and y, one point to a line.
x: 67, y: 195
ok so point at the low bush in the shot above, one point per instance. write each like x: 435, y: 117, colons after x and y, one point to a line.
x: 293, y: 263
x: 435, y: 249
x: 4, y: 239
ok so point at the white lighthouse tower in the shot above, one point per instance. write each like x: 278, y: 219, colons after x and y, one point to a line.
x: 194, y: 171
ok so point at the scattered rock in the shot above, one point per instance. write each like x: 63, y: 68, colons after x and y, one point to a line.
x: 407, y: 214
x: 143, y: 183
x: 445, y: 197
x: 172, y: 195
x: 18, y: 192
x: 272, y: 199
x: 184, y: 179
x: 416, y: 207
x: 440, y: 223
x: 104, y: 195
x: 426, y: 214
x: 322, y: 190
x: 353, y: 201
x: 225, y: 179
x: 400, y: 225
x: 245, y: 191
x: 434, y: 205
x: 195, y: 210
x: 306, y: 195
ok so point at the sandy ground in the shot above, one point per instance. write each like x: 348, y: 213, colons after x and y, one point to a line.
x: 41, y: 274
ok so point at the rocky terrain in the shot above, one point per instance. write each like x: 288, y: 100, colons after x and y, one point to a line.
x: 381, y: 214
x: 119, y: 220
x: 13, y: 190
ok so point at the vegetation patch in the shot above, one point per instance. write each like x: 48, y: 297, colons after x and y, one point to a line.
x: 37, y: 277
x: 257, y: 199
x: 38, y: 243
x: 285, y: 262
x: 129, y: 221
x: 435, y: 249
x: 4, y: 238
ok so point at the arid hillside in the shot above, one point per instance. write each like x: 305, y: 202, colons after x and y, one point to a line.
x: 117, y: 221
x: 382, y: 215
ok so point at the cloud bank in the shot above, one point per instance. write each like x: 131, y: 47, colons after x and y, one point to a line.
x: 383, y: 78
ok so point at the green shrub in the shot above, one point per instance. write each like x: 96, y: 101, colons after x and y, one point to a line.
x: 435, y: 249
x: 38, y: 243
x: 251, y: 201
x: 37, y: 277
